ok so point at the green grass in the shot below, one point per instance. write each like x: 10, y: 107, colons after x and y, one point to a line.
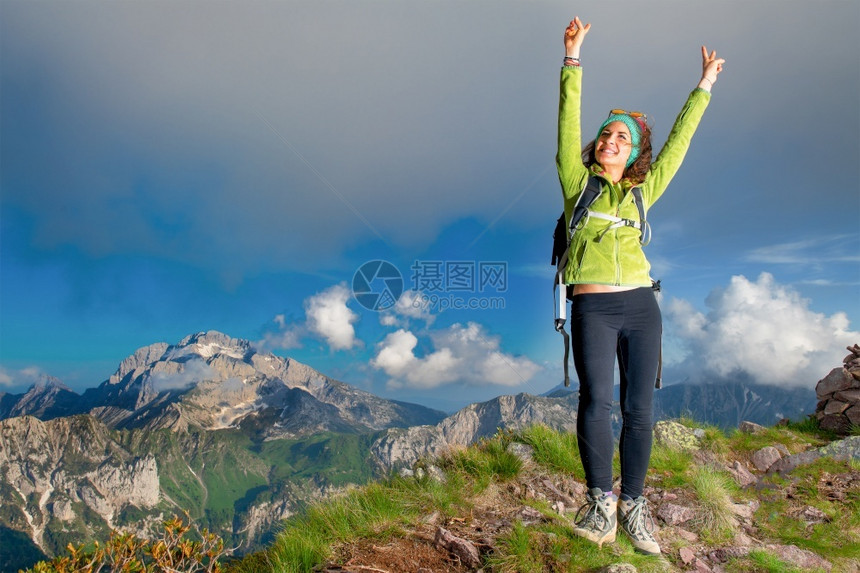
x: 714, y: 490
x: 376, y: 511
x: 487, y: 462
x: 760, y: 561
x: 518, y: 552
x: 669, y: 468
x: 554, y: 450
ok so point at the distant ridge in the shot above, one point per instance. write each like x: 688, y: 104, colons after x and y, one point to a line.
x: 211, y: 381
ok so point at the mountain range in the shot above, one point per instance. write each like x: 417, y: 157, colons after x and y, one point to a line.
x: 241, y: 439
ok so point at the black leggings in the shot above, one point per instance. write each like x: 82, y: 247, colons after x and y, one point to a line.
x: 626, y: 325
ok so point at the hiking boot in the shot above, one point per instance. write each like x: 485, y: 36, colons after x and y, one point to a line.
x: 599, y: 523
x: 636, y: 521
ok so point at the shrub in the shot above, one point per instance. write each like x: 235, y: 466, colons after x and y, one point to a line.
x: 127, y: 553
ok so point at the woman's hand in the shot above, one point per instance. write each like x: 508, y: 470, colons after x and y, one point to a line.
x: 711, y: 67
x: 573, y: 37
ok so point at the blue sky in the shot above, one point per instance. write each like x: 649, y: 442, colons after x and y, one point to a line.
x: 174, y: 167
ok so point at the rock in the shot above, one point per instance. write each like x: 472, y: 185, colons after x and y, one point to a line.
x: 839, y: 379
x: 765, y: 457
x: 465, y: 550
x: 835, y: 406
x: 523, y: 451
x: 62, y: 510
x: 619, y: 568
x: 742, y: 475
x: 750, y: 427
x: 835, y: 423
x: 782, y: 449
x: 744, y: 540
x: 675, y: 436
x: 723, y: 554
x: 673, y: 514
x: 686, y: 535
x: 791, y: 462
x: 529, y: 515
x: 851, y: 396
x: 687, y: 555
x: 557, y: 493
x: 803, y: 559
x: 853, y: 414
x: 845, y: 449
x: 701, y: 567
x: 744, y: 510
x: 812, y: 515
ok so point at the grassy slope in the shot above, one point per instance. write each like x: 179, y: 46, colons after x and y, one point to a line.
x: 502, y: 503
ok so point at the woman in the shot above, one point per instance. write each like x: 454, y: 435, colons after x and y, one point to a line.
x: 614, y: 311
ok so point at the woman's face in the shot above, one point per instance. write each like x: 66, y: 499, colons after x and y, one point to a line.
x: 613, y: 146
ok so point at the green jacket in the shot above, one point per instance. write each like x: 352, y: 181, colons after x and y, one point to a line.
x: 617, y: 259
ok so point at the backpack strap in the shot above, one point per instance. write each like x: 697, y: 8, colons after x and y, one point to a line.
x: 616, y: 222
x: 644, y: 227
x: 561, y: 247
x: 583, y: 203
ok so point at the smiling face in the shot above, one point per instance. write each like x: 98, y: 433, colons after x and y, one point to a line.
x: 613, y: 147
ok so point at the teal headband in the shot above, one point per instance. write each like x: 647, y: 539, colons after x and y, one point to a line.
x: 635, y: 133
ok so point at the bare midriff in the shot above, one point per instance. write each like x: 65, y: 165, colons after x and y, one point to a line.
x: 591, y: 288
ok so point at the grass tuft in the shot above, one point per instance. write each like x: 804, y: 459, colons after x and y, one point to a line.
x: 554, y: 450
x: 716, y: 520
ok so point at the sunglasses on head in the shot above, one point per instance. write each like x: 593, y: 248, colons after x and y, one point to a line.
x: 633, y: 114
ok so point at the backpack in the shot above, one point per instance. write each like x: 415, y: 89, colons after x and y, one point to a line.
x: 562, y: 237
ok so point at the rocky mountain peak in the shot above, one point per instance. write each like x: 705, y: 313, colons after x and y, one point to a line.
x: 47, y: 398
x: 138, y: 361
x: 212, y: 344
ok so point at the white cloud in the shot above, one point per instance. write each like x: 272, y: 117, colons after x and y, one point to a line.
x: 412, y: 304
x: 386, y: 319
x: 763, y: 329
x: 23, y: 377
x: 815, y: 251
x: 327, y: 316
x: 330, y: 317
x: 192, y: 372
x: 462, y: 354
x: 6, y: 378
x: 396, y: 353
x: 290, y: 336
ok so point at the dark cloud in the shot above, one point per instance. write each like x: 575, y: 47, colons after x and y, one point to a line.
x: 267, y: 136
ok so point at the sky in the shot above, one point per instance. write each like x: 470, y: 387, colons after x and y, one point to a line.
x: 267, y: 168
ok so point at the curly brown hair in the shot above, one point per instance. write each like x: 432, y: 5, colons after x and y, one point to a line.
x: 636, y: 172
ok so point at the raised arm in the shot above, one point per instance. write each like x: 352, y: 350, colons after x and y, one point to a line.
x: 571, y: 171
x: 711, y: 67
x: 669, y: 160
